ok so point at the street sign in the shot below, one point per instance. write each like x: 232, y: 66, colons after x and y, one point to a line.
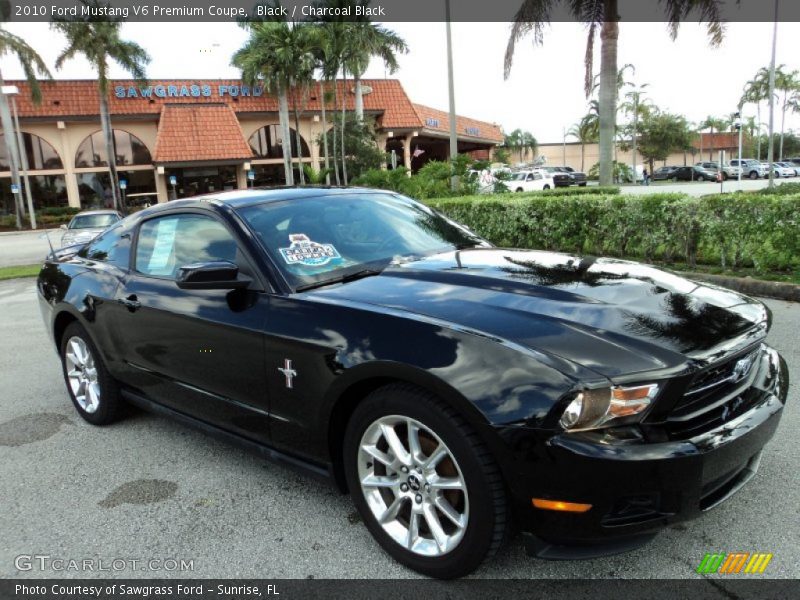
x: 173, y: 180
x: 251, y: 175
x: 123, y: 184
x: 14, y: 188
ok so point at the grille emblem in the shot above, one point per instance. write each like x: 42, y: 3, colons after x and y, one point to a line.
x: 742, y: 367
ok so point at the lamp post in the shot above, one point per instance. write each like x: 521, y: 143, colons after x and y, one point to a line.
x: 738, y: 125
x: 13, y: 156
x: 12, y: 90
x: 452, y: 96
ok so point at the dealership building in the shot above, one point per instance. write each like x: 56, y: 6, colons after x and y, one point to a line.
x: 179, y: 138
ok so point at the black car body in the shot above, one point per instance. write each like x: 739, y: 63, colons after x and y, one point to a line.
x: 693, y: 173
x: 578, y: 177
x: 560, y: 177
x: 663, y: 173
x: 504, y: 343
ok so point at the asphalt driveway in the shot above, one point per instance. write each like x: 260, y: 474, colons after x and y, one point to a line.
x: 149, y: 489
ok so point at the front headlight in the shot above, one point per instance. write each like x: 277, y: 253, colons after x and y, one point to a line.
x: 595, y: 408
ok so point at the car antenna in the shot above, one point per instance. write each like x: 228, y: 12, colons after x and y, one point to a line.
x: 49, y: 243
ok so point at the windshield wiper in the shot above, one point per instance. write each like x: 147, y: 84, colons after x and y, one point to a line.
x: 341, y: 279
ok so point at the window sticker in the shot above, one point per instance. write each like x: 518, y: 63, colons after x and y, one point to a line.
x: 302, y: 251
x: 162, y: 247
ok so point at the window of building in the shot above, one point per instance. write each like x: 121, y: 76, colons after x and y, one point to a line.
x: 41, y: 154
x: 94, y: 189
x: 46, y: 191
x: 130, y: 150
x: 266, y: 143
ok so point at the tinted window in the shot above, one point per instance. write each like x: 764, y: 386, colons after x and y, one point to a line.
x: 110, y: 247
x: 168, y: 243
x: 315, y: 239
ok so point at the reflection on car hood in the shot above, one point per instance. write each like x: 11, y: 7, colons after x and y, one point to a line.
x: 82, y: 235
x: 612, y: 316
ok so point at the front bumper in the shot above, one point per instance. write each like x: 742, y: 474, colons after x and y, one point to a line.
x: 636, y: 487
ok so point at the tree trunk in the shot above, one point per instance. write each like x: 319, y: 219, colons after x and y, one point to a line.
x: 758, y: 134
x: 335, y: 131
x: 11, y: 151
x: 323, y: 102
x: 583, y: 153
x: 344, y: 114
x: 286, y: 136
x: 635, y: 125
x: 111, y: 150
x: 608, y: 90
x: 298, y: 141
x: 359, y: 98
x: 783, y: 122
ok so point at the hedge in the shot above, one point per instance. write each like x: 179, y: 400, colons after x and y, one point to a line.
x: 732, y: 230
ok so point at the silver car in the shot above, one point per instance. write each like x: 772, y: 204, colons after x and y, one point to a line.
x: 87, y: 225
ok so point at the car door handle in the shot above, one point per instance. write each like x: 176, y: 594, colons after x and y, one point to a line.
x: 131, y: 302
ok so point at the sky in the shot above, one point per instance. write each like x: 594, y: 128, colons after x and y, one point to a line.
x: 544, y: 93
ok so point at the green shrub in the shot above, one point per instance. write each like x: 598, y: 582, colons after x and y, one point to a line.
x: 733, y: 231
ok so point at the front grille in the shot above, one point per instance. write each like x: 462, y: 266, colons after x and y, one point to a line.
x: 715, y: 395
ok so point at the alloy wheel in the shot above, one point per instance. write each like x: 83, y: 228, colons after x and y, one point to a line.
x: 413, y: 485
x: 82, y: 374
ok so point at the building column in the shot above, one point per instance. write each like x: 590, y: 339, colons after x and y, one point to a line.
x: 161, y: 187
x: 407, y: 151
x: 68, y: 158
x: 241, y: 177
x: 381, y: 141
x: 314, y: 130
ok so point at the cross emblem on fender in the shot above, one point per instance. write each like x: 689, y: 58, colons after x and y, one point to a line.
x: 288, y: 372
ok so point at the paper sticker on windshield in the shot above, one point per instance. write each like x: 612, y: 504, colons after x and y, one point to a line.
x: 303, y: 251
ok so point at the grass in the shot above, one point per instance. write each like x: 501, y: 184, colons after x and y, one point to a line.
x: 20, y: 271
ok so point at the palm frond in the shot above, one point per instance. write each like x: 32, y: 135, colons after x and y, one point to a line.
x: 532, y: 16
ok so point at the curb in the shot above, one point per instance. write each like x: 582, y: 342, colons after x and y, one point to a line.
x: 749, y: 286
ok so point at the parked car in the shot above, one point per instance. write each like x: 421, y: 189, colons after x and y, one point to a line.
x: 87, y: 225
x: 693, y: 173
x: 452, y: 387
x: 663, y: 173
x: 560, y: 178
x: 784, y: 169
x: 530, y: 180
x: 726, y: 171
x: 751, y: 168
x: 578, y: 177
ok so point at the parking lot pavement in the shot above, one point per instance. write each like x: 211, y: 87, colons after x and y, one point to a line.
x: 26, y: 247
x: 148, y: 488
x: 700, y: 188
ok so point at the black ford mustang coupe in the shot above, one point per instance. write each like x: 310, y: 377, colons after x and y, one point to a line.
x: 451, y: 387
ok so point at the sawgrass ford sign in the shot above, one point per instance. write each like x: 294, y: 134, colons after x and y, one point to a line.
x: 188, y: 90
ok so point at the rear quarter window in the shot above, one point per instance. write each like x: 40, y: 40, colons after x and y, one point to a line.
x: 111, y: 247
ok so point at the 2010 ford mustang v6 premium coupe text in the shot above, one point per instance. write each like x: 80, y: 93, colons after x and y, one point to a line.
x: 453, y: 388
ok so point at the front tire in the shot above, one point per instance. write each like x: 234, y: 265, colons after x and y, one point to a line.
x: 753, y: 174
x: 546, y: 187
x: 91, y: 388
x: 425, y: 485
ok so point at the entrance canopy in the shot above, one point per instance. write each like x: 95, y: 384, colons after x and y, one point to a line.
x: 198, y: 133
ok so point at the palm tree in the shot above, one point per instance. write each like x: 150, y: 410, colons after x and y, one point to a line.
x: 789, y: 84
x: 755, y: 92
x: 586, y: 132
x: 634, y: 105
x: 268, y: 57
x: 32, y: 64
x: 713, y: 123
x: 99, y: 42
x: 521, y: 142
x: 367, y: 39
x: 603, y: 15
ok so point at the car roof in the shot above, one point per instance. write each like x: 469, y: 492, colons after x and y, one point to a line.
x: 105, y: 211
x: 243, y: 198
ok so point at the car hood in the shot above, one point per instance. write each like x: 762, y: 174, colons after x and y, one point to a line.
x: 612, y: 316
x: 82, y: 234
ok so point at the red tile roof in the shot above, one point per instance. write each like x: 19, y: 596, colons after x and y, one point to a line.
x: 198, y: 132
x: 439, y: 120
x: 79, y: 98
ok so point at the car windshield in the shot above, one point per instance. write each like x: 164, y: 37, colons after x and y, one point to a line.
x: 93, y: 221
x: 519, y: 176
x: 326, y: 239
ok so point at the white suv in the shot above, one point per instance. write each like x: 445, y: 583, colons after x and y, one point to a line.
x: 531, y: 180
x: 750, y: 168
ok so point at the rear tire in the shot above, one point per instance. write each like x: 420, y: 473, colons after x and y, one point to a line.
x: 546, y: 187
x: 518, y: 190
x: 753, y: 174
x: 426, y: 487
x: 91, y: 388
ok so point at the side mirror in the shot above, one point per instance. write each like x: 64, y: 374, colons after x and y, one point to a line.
x: 218, y: 275
x: 62, y: 226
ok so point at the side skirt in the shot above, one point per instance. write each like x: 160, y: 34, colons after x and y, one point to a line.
x: 321, y: 473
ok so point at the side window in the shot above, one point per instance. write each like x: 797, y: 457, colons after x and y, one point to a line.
x: 168, y: 243
x: 537, y: 175
x: 110, y: 247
